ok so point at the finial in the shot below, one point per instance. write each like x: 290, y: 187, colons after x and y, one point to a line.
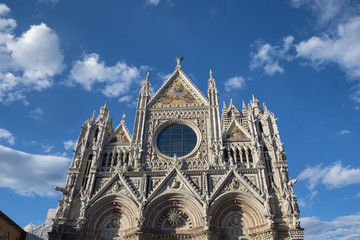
x: 265, y: 108
x: 147, y: 76
x: 224, y: 105
x: 243, y: 105
x: 92, y: 116
x: 106, y: 103
x: 253, y: 98
x: 178, y: 60
x: 211, y: 74
x: 123, y: 118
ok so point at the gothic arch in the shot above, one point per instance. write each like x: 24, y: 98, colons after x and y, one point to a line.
x: 237, y: 213
x: 187, y: 210
x: 110, y: 217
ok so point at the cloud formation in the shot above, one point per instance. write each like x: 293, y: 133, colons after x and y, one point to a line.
x: 343, y: 132
x: 28, y: 62
x: 333, y: 176
x: 115, y: 80
x: 37, y: 114
x: 152, y: 2
x: 267, y: 57
x: 343, y: 227
x: 7, y: 136
x: 342, y: 48
x: 29, y: 174
x: 233, y: 83
x: 338, y: 43
x: 70, y: 144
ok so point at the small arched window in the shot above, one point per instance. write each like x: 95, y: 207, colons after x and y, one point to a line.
x: 96, y: 134
x: 261, y: 128
x: 250, y: 156
x: 244, y: 155
x: 103, y: 164
x: 237, y: 155
x: 226, y: 156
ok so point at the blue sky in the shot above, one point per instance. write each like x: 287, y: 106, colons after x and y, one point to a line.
x: 60, y: 60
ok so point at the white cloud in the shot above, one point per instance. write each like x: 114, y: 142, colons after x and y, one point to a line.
x: 342, y: 48
x: 115, y: 80
x: 6, y: 135
x: 4, y: 9
x: 69, y: 144
x: 46, y: 148
x: 343, y: 132
x: 357, y: 195
x: 334, y: 176
x: 152, y: 2
x: 164, y: 77
x: 48, y: 1
x: 233, y: 83
x: 29, y: 174
x: 341, y: 228
x: 328, y: 11
x: 37, y: 114
x: 27, y: 62
x: 126, y: 98
x: 267, y: 57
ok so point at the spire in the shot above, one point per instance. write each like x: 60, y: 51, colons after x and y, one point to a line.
x: 224, y: 105
x: 104, y: 113
x: 265, y: 108
x: 123, y: 118
x: 145, y: 88
x: 211, y: 80
x: 92, y: 116
x: 244, y: 109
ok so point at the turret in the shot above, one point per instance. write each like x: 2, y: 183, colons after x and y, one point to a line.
x: 139, y: 126
x: 215, y: 131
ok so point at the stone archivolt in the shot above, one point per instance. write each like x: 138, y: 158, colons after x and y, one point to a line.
x: 233, y: 184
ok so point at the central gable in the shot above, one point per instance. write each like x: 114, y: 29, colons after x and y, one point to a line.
x: 178, y: 91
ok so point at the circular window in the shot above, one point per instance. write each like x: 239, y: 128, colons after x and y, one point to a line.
x: 176, y: 139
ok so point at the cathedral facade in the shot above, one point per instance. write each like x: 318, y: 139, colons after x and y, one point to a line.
x: 182, y: 174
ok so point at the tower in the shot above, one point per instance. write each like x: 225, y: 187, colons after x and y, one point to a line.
x: 182, y: 174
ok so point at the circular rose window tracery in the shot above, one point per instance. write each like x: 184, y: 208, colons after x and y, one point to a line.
x: 176, y: 139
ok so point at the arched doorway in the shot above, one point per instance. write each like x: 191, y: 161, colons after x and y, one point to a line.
x: 111, y: 218
x: 237, y: 215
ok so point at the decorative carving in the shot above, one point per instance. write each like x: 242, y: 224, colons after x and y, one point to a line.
x: 175, y: 184
x: 174, y: 217
x: 234, y: 184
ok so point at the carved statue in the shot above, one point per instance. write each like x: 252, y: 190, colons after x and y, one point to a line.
x: 178, y: 60
x: 115, y: 187
x: 175, y: 184
x: 234, y: 184
x: 292, y: 182
x: 77, y: 162
x: 267, y: 203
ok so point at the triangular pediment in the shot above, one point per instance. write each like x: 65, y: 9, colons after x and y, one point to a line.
x: 175, y: 182
x: 117, y: 185
x: 236, y: 183
x: 178, y: 91
x: 236, y: 132
x: 121, y: 135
